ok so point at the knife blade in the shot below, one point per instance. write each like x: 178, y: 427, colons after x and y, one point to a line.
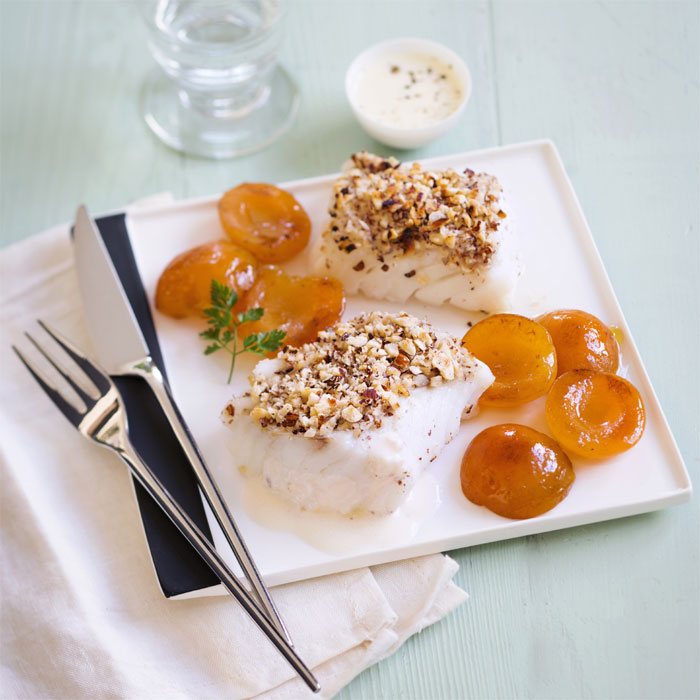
x: 122, y: 350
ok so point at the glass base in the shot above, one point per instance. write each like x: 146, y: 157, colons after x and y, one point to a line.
x: 195, y: 132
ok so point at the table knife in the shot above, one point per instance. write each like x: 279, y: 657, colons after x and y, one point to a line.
x: 120, y: 348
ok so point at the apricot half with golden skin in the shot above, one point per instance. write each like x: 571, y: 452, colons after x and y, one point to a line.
x: 519, y: 352
x: 184, y: 287
x: 266, y: 220
x: 515, y: 471
x: 300, y: 306
x: 582, y: 341
x: 595, y: 414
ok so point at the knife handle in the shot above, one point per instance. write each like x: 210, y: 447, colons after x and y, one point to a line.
x: 155, y: 380
x: 213, y: 559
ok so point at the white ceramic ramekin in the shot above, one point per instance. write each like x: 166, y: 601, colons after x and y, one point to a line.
x: 397, y: 136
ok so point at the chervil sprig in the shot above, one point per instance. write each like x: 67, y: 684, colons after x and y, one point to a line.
x: 223, y: 326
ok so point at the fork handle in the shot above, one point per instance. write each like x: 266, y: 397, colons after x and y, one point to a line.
x: 158, y: 386
x: 213, y: 559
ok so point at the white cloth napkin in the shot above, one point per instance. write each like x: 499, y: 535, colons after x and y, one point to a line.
x: 82, y: 614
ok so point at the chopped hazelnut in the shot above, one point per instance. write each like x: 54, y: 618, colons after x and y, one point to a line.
x: 402, y: 361
x: 353, y: 376
x: 402, y: 206
x: 351, y: 414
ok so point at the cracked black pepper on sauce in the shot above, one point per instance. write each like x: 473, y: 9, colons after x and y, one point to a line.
x: 408, y: 89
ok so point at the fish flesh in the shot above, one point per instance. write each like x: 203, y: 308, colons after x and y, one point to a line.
x: 397, y: 231
x: 349, y: 422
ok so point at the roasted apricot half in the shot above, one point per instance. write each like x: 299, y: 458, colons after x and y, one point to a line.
x: 519, y: 352
x: 184, y: 286
x: 515, y: 471
x: 595, y: 414
x: 582, y: 341
x: 300, y: 306
x: 266, y: 220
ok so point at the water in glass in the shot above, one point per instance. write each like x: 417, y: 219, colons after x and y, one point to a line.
x: 220, y: 58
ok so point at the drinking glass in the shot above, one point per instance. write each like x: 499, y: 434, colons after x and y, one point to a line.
x: 218, y: 90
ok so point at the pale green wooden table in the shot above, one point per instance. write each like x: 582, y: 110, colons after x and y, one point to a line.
x: 603, y: 611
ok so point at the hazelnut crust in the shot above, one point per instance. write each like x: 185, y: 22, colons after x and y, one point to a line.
x: 391, y: 209
x: 354, y: 375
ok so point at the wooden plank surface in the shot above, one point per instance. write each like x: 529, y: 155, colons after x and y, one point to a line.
x: 602, y: 611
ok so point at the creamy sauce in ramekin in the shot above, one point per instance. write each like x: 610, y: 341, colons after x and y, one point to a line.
x: 408, y: 90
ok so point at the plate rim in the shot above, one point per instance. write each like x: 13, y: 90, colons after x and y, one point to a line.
x: 674, y: 462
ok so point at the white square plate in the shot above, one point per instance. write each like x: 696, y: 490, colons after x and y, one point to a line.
x: 562, y: 269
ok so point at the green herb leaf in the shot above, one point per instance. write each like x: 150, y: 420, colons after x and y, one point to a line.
x: 251, y: 315
x: 262, y: 343
x: 222, y: 296
x: 210, y: 334
x: 226, y: 336
x: 223, y: 326
x: 272, y: 341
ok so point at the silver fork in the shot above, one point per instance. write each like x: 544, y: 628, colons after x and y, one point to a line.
x: 104, y: 421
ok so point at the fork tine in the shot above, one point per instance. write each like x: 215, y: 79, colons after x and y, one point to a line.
x: 99, y: 378
x: 76, y: 387
x: 67, y: 408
